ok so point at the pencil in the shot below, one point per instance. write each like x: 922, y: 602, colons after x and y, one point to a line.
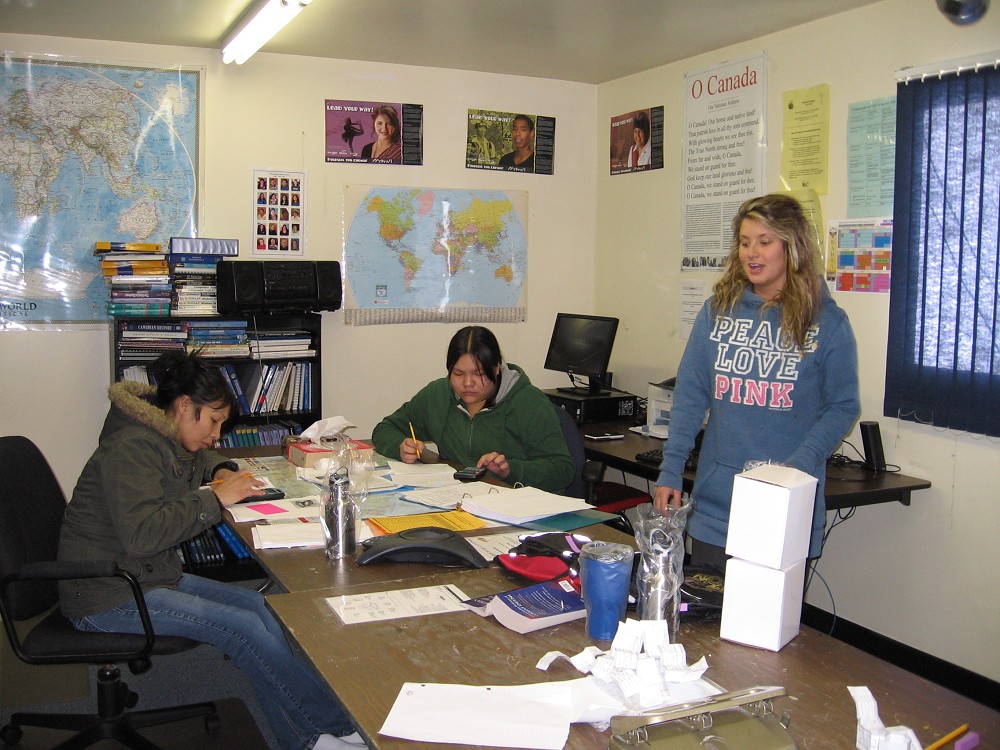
x: 948, y: 738
x: 414, y: 436
x: 216, y: 482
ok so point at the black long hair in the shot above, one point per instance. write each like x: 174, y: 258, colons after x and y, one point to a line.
x: 180, y: 373
x: 482, y: 345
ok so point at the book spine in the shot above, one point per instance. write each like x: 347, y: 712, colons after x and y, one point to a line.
x: 127, y: 247
x: 139, y: 311
x: 135, y: 325
x: 232, y: 541
x: 240, y: 395
x: 262, y: 399
x: 307, y: 389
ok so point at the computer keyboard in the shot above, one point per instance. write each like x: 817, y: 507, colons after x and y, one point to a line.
x: 654, y: 456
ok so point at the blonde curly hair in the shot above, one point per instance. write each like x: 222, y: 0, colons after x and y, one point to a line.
x: 799, y: 298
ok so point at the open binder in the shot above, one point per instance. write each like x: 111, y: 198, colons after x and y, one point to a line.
x: 742, y: 719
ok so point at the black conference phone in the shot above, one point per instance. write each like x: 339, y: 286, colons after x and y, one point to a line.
x: 427, y: 544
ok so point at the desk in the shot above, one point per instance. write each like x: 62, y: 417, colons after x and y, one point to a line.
x: 846, y: 486
x: 303, y: 569
x: 366, y: 664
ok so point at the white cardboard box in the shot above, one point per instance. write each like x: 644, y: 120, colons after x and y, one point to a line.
x: 761, y: 606
x: 770, y: 519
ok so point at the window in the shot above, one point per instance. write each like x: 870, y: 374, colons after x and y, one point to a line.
x: 943, y: 364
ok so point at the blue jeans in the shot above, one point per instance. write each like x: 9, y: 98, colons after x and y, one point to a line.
x: 298, y: 706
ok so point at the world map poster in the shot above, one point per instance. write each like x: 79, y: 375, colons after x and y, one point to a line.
x: 416, y: 255
x: 89, y: 153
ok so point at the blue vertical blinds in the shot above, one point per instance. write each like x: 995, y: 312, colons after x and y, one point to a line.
x: 943, y: 365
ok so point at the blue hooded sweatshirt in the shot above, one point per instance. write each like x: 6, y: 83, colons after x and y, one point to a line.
x: 766, y: 402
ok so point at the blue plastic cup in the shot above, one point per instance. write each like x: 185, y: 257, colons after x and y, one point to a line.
x: 605, y: 574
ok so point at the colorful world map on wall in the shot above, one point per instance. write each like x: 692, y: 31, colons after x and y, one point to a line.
x: 420, y: 254
x: 88, y: 153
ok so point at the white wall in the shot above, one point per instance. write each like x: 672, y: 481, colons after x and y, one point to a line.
x: 268, y: 114
x: 924, y: 575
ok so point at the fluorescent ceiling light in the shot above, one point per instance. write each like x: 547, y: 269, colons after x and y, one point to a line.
x: 266, y: 19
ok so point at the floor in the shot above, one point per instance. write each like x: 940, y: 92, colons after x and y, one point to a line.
x: 170, y: 683
x: 237, y: 731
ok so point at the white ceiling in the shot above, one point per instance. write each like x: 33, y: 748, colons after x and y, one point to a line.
x: 590, y: 41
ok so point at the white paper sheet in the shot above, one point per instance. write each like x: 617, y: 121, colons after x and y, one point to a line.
x: 281, y: 535
x: 300, y: 507
x: 473, y: 715
x: 392, y: 605
x: 421, y: 475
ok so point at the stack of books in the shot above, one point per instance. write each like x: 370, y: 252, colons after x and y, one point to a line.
x: 282, y: 344
x: 281, y: 387
x: 193, y: 263
x: 265, y: 434
x: 141, y: 342
x: 138, y: 277
x: 218, y: 338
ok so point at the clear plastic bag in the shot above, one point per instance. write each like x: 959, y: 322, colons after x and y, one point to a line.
x: 660, y: 573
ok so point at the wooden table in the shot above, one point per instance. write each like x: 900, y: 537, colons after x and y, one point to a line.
x: 846, y: 486
x: 366, y: 664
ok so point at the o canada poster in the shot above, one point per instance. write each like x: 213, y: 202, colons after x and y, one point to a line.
x: 637, y: 141
x: 374, y: 132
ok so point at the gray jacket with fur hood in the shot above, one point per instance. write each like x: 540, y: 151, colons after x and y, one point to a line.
x: 137, y: 497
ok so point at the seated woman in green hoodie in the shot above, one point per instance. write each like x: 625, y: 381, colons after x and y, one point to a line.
x: 485, y: 413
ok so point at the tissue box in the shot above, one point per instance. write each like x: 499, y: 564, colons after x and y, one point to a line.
x: 761, y: 606
x: 307, y: 454
x: 770, y: 519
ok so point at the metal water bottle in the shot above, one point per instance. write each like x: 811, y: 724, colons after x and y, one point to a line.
x: 338, y: 516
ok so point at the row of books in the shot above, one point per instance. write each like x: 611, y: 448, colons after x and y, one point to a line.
x: 144, y: 341
x: 269, y: 388
x: 280, y: 344
x: 138, y: 277
x: 144, y: 279
x: 218, y: 338
x: 248, y: 436
x: 194, y: 280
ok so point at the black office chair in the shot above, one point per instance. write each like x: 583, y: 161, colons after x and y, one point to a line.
x: 31, y: 512
x: 588, y: 482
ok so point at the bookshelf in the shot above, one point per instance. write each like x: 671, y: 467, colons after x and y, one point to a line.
x: 272, y: 361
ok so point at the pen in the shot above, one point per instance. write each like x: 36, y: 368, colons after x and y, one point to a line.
x: 947, y: 738
x: 414, y: 436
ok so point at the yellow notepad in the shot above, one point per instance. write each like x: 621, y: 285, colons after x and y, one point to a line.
x: 456, y: 520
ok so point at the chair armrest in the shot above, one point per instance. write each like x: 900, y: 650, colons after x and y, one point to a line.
x: 67, y: 569
x: 593, y: 471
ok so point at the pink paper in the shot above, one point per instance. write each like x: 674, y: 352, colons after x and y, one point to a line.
x: 268, y: 509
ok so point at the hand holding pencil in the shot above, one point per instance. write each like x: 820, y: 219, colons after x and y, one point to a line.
x: 235, y: 486
x: 410, y: 448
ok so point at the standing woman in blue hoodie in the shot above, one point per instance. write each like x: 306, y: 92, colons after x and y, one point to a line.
x: 773, y: 361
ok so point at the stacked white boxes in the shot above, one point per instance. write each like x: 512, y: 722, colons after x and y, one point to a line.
x: 769, y: 527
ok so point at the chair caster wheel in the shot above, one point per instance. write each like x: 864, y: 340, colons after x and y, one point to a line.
x: 212, y: 725
x: 10, y: 735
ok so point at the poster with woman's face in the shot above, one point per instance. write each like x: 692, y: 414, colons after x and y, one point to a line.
x: 637, y: 141
x: 373, y: 132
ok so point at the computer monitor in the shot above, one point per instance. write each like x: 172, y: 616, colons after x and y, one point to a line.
x: 581, y: 346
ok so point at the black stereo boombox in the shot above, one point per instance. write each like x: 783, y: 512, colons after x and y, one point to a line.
x: 296, y: 285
